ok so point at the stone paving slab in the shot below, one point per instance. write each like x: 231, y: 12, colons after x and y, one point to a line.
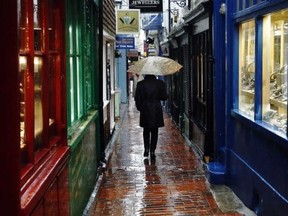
x: 173, y: 184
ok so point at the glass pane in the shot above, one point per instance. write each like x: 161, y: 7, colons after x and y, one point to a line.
x: 52, y: 16
x: 79, y: 89
x: 38, y: 106
x: 52, y: 96
x: 71, y: 47
x: 244, y: 4
x: 246, y: 67
x: 22, y: 88
x: 201, y: 78
x: 23, y: 28
x: 37, y: 26
x: 72, y: 98
x: 275, y: 58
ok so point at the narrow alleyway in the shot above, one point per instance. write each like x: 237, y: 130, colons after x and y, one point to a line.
x: 174, y: 184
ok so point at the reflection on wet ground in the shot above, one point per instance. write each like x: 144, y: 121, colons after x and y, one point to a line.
x: 173, y: 184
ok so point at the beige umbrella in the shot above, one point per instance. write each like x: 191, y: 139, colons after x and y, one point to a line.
x: 155, y: 65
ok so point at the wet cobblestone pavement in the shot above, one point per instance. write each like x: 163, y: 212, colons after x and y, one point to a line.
x: 173, y: 184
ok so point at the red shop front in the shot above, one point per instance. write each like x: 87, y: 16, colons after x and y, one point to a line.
x: 34, y: 154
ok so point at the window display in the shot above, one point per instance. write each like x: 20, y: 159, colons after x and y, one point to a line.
x: 247, y: 67
x: 24, y: 81
x: 275, y: 57
x: 22, y: 88
x: 38, y: 103
x: 40, y: 68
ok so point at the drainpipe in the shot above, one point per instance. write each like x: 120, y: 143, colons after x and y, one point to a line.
x: 169, y: 16
x: 100, y: 83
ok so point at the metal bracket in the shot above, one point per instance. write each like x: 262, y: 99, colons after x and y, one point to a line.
x: 180, y: 3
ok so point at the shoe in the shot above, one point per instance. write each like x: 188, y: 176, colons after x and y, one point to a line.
x: 152, y: 155
x: 146, y: 162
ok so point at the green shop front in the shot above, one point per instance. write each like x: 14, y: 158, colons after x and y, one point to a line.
x: 82, y: 66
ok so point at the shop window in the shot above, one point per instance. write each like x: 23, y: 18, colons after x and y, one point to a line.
x: 200, y: 85
x: 89, y: 53
x: 108, y: 71
x: 275, y: 60
x: 270, y: 94
x: 247, y: 67
x: 81, y: 46
x: 75, y: 82
x: 40, y: 68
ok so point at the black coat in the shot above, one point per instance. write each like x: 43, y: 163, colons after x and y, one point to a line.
x: 149, y: 93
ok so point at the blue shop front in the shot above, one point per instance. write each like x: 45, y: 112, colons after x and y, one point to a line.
x: 256, y: 145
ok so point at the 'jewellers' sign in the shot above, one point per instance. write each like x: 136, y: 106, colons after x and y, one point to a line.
x: 147, y: 6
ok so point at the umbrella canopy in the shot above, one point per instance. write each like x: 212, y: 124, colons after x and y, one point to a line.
x: 155, y: 65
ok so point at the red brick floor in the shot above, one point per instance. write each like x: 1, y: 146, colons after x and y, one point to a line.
x: 174, y: 184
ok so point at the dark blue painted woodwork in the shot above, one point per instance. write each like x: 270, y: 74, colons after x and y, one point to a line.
x: 256, y: 154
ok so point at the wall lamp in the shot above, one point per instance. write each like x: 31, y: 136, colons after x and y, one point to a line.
x: 174, y: 11
x: 222, y: 9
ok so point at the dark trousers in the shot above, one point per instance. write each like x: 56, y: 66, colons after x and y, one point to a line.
x: 150, y: 136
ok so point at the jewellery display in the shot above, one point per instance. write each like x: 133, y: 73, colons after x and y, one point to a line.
x: 278, y: 95
x: 278, y: 120
x: 278, y: 84
x: 22, y: 114
x: 247, y: 67
x: 278, y: 99
x: 248, y: 78
x: 248, y: 88
x: 273, y: 86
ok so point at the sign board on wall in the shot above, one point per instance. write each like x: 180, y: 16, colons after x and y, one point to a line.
x: 125, y: 42
x: 151, y: 21
x: 127, y: 21
x: 147, y: 6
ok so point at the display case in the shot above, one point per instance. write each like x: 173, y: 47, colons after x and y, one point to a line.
x: 247, y: 67
x: 274, y: 72
x: 275, y: 54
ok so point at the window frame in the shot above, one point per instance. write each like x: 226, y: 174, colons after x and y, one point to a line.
x: 256, y: 12
x: 82, y: 72
x: 32, y: 158
x: 245, y: 66
x: 199, y: 79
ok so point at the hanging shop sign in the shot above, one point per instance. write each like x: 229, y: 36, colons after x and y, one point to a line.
x: 127, y: 21
x: 147, y: 6
x: 195, y: 3
x: 151, y: 21
x: 125, y: 42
